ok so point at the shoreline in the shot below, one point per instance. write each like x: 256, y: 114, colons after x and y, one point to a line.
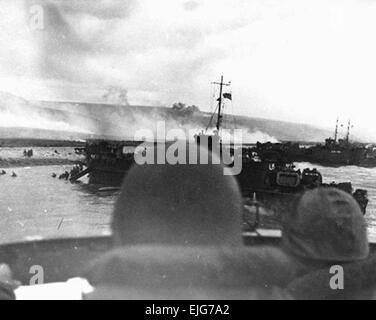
x: 35, y: 142
x: 41, y: 156
x: 21, y: 162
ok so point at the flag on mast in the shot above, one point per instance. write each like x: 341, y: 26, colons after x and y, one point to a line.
x: 227, y: 96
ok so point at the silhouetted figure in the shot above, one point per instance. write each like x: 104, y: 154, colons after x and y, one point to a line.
x: 74, y: 171
x: 325, y: 228
x: 7, y: 284
x: 178, y: 235
x: 14, y: 174
x: 64, y: 176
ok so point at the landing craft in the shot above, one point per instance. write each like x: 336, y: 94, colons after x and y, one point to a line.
x: 42, y: 266
x: 270, y: 175
x: 334, y: 152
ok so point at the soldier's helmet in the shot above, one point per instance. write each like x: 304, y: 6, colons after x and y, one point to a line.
x: 326, y: 224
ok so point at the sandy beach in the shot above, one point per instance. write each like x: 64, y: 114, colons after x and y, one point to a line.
x: 42, y: 156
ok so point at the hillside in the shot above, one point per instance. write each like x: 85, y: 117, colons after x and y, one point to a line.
x: 21, y: 118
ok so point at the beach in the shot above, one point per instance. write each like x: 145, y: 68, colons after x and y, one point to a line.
x: 11, y: 157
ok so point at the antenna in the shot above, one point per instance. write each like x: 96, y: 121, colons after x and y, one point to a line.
x: 221, y: 84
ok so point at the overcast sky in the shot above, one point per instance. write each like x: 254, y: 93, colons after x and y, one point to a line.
x: 301, y: 61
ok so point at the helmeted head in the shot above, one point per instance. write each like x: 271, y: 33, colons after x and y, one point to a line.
x: 326, y: 224
x: 182, y: 204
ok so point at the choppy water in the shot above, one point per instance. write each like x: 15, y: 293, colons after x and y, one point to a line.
x: 35, y: 204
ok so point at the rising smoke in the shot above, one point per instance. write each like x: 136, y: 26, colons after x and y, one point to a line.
x: 17, y: 112
x: 117, y: 120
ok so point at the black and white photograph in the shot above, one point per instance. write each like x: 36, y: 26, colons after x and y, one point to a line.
x: 187, y: 153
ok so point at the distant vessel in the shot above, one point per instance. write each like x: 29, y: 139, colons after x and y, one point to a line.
x: 334, y: 152
x: 107, y: 161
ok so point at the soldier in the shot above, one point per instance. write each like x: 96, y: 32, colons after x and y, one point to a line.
x: 177, y: 232
x: 326, y: 229
x: 7, y: 284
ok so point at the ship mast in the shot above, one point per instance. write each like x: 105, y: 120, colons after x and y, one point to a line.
x: 219, y: 117
x: 336, y: 131
x: 349, y: 126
